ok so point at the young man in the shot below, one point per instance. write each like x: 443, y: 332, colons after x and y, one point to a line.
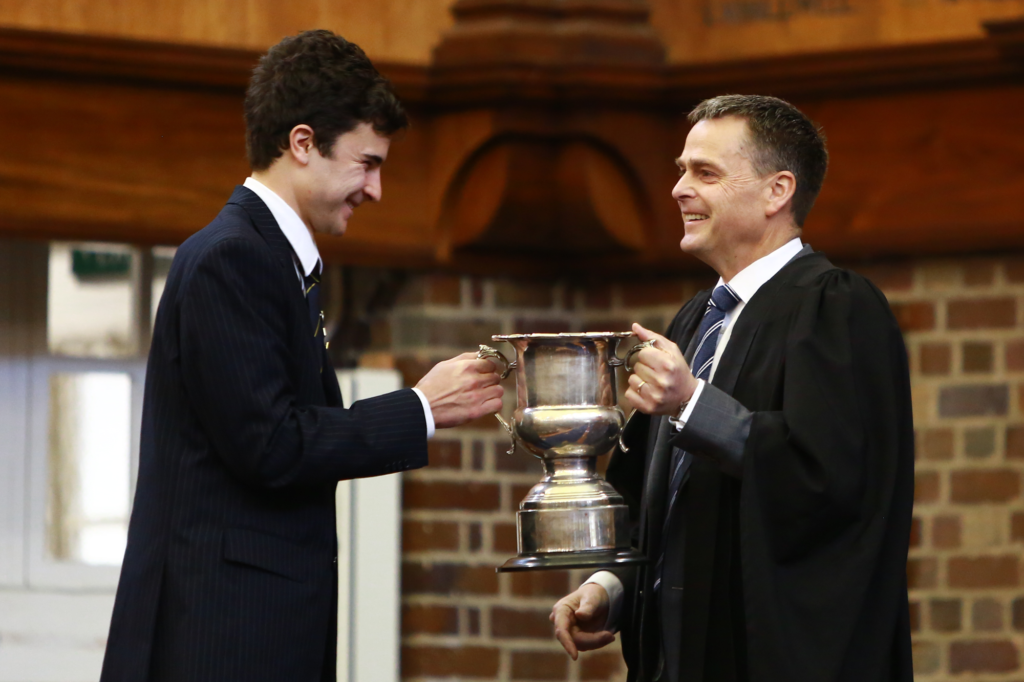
x: 774, y: 499
x: 231, y: 567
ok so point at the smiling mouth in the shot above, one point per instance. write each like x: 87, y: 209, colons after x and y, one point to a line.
x: 689, y: 217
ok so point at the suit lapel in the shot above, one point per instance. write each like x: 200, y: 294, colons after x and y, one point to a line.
x: 754, y: 313
x: 661, y: 454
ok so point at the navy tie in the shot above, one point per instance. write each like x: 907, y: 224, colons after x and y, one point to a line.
x: 723, y: 299
x: 311, y: 288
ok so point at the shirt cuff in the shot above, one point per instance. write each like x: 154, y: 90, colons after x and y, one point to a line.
x: 613, y: 586
x: 427, y: 414
x: 689, y: 406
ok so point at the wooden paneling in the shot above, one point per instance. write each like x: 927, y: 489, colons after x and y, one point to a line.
x: 702, y: 31
x: 395, y: 30
x: 134, y: 142
x: 692, y: 31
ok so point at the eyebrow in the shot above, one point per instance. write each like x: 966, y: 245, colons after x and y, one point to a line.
x: 698, y: 162
x: 373, y: 159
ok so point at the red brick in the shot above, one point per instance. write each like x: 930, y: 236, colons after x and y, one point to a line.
x: 979, y: 272
x: 994, y: 656
x: 1017, y: 527
x: 473, y: 616
x: 935, y: 358
x: 982, y: 313
x: 946, y: 532
x: 977, y: 357
x: 914, y: 317
x: 520, y: 294
x: 945, y: 615
x: 444, y: 290
x: 915, y: 532
x: 984, y: 485
x: 541, y: 584
x: 915, y: 616
x: 448, y: 579
x: 518, y: 623
x: 1015, y: 442
x: 935, y: 444
x: 926, y: 487
x: 450, y: 495
x: 542, y: 325
x: 444, y: 454
x: 974, y: 400
x: 506, y: 538
x: 1017, y: 609
x: 539, y: 665
x: 422, y: 536
x: 461, y: 661
x: 412, y: 368
x: 432, y: 620
x: 519, y: 491
x: 519, y: 461
x: 927, y: 657
x: 1015, y: 356
x: 598, y: 297
x: 638, y: 294
x: 987, y: 616
x: 922, y: 573
x: 983, y: 572
x: 600, y: 666
x: 888, y: 276
x: 478, y: 292
x: 1015, y: 270
x: 464, y: 334
x: 476, y: 537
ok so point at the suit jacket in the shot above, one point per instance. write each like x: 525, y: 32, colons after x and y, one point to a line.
x: 785, y: 553
x: 230, y: 572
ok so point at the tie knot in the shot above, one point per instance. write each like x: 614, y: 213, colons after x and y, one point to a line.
x: 724, y: 298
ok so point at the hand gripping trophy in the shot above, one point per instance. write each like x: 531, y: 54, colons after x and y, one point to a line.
x: 568, y: 415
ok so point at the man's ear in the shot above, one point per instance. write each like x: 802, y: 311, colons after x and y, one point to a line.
x: 301, y: 143
x: 780, y: 192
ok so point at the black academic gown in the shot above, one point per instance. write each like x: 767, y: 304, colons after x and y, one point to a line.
x: 230, y: 573
x: 793, y: 566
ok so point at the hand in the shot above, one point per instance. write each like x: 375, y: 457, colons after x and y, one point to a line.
x: 661, y: 380
x: 461, y: 389
x: 579, y: 620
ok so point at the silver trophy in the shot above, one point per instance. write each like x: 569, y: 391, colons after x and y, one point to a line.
x: 568, y: 415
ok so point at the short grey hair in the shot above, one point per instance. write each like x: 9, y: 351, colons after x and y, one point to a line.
x: 783, y: 138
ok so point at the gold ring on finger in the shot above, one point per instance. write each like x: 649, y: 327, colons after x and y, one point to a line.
x: 641, y: 386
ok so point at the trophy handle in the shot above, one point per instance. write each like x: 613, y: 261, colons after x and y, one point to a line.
x: 488, y: 353
x: 624, y: 362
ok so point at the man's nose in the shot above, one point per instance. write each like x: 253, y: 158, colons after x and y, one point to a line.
x: 373, y: 189
x: 682, y: 190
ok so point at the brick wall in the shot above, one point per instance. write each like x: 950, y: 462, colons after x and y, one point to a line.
x: 963, y: 331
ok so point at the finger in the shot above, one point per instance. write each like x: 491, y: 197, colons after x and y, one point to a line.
x: 565, y: 639
x: 587, y: 641
x: 644, y: 334
x: 482, y: 365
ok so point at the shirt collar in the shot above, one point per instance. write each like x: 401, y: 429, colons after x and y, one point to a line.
x: 295, y: 231
x: 748, y: 280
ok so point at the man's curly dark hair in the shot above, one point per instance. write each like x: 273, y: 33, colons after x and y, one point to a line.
x: 322, y: 80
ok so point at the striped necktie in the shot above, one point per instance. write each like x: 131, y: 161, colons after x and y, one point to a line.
x: 311, y: 289
x: 723, y: 299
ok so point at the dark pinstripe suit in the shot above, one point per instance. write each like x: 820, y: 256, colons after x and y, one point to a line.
x: 230, y: 570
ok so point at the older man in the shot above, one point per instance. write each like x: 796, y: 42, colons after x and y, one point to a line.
x: 774, y: 496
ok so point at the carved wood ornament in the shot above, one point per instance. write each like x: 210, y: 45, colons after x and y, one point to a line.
x: 543, y: 140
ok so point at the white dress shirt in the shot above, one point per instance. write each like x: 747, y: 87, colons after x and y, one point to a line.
x: 308, y: 256
x: 745, y: 284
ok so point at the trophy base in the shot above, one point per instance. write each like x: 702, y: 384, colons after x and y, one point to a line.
x: 560, y: 561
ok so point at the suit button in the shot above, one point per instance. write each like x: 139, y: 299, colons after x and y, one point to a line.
x: 335, y: 560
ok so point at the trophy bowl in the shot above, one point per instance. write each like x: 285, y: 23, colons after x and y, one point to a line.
x: 567, y: 415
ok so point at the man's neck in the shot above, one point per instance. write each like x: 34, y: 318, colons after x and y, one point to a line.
x: 276, y: 181
x: 737, y: 260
